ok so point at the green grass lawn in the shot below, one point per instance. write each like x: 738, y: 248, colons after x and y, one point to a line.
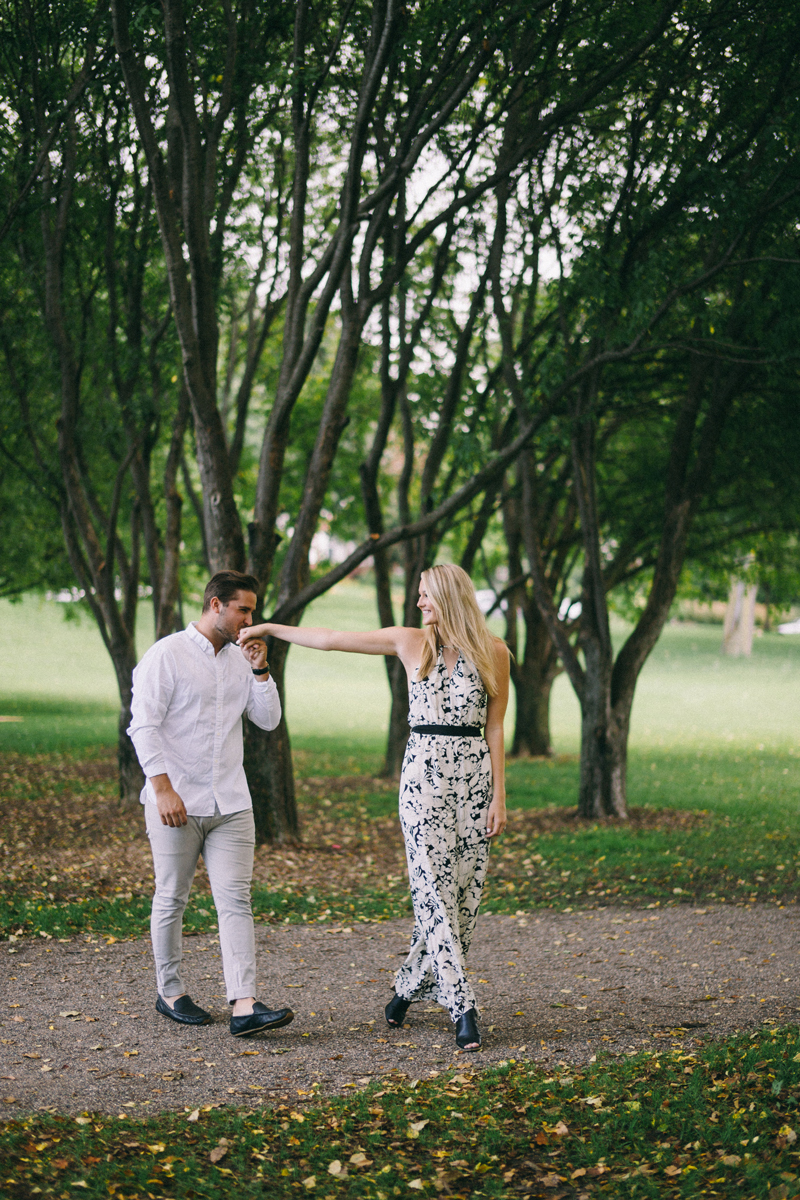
x: 721, y: 1121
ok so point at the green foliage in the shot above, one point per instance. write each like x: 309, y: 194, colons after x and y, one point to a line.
x: 682, y: 1121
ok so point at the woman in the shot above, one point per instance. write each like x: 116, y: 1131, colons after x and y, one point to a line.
x: 452, y: 789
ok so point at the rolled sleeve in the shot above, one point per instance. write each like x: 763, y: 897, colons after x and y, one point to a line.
x: 264, y: 704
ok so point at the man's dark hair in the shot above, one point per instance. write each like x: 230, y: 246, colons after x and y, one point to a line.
x: 225, y: 584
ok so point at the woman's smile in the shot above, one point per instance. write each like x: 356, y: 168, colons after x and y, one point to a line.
x: 428, y: 609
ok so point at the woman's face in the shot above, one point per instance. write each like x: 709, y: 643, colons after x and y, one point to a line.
x: 430, y: 615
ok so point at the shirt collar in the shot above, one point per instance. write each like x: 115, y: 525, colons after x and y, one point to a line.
x: 199, y: 639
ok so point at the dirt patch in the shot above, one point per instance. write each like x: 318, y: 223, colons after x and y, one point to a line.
x: 558, y: 819
x: 78, y: 1030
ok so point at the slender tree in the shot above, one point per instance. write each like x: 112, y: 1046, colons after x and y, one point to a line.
x: 91, y: 327
x: 667, y: 245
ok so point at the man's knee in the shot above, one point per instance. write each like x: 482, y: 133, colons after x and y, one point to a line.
x: 233, y: 903
x: 166, y: 901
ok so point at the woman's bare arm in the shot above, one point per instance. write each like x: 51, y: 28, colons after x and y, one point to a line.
x: 495, y: 738
x: 394, y: 639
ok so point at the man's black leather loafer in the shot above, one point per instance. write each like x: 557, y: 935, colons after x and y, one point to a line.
x: 260, y: 1020
x: 184, y: 1011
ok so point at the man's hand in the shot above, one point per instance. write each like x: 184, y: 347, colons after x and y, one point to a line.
x: 171, y: 808
x: 255, y: 651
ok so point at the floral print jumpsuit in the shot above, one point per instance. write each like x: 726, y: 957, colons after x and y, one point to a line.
x: 445, y: 793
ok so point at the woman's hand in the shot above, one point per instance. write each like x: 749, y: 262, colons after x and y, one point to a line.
x: 496, y: 817
x: 253, y: 631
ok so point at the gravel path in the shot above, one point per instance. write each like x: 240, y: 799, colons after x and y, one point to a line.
x: 79, y: 1031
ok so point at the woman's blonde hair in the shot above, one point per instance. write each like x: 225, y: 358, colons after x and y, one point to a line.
x: 461, y: 623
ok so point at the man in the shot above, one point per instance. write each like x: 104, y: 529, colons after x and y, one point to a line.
x: 189, y: 693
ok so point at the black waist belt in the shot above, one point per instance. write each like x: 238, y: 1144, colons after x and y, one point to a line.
x: 449, y: 730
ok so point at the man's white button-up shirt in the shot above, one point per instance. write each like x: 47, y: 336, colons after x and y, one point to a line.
x: 187, y: 720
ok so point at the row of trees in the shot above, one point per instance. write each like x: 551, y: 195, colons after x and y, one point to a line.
x: 509, y: 282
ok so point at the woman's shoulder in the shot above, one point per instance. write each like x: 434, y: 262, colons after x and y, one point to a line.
x: 410, y: 642
x: 502, y: 657
x: 412, y: 636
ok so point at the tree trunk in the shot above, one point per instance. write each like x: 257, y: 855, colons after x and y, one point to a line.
x: 398, y: 680
x: 396, y: 673
x: 604, y: 737
x: 131, y: 775
x: 268, y: 766
x: 604, y: 756
x: 398, y: 719
x: 532, y: 691
x: 532, y: 677
x: 740, y: 619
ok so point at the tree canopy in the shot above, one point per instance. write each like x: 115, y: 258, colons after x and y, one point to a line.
x: 510, y: 283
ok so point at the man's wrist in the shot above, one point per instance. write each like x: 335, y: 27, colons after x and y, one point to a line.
x: 261, y: 670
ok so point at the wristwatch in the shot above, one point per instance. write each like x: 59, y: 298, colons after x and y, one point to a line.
x: 261, y: 670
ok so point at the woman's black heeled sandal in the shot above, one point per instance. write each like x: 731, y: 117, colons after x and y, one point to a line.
x: 396, y: 1010
x: 468, y: 1035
